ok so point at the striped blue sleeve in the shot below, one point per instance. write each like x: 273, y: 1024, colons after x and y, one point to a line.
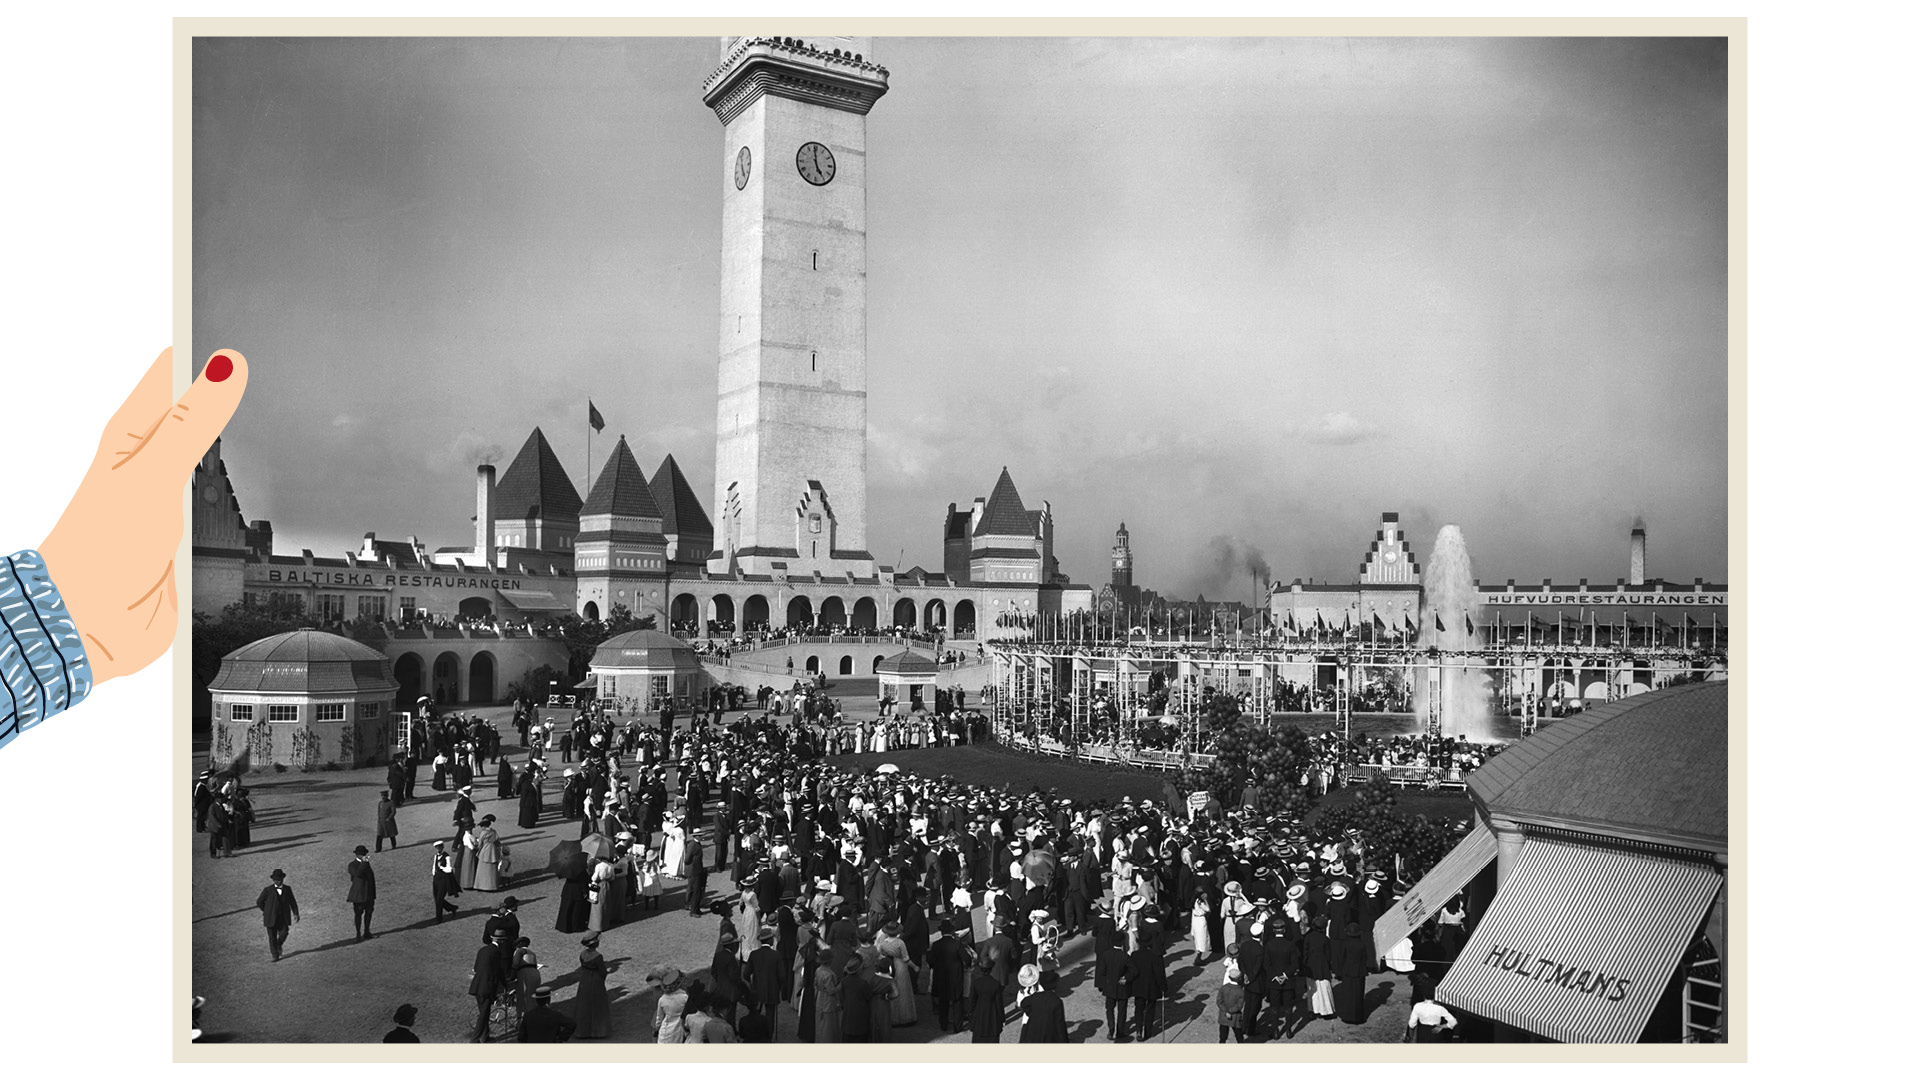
x: 43, y: 665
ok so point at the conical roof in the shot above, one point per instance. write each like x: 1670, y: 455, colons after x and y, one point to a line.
x: 1005, y: 515
x: 621, y: 488
x: 680, y: 510
x: 535, y: 486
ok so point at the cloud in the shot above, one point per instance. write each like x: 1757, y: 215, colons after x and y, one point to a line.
x: 1335, y: 429
x: 343, y: 420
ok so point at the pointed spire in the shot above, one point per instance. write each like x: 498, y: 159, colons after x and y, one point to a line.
x: 535, y: 486
x: 622, y: 488
x: 1004, y: 515
x: 680, y: 509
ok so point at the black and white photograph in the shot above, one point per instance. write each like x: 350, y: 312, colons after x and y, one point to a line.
x: 943, y: 540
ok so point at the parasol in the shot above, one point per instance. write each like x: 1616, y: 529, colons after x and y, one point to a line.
x: 887, y: 769
x: 562, y: 854
x: 597, y: 846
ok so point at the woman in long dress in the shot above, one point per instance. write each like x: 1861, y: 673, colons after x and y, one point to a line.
x: 749, y: 924
x: 576, y: 911
x: 505, y: 788
x: 650, y: 884
x: 469, y: 857
x: 242, y: 819
x: 616, y: 887
x: 669, y: 1011
x: 526, y: 972
x: 592, y: 1012
x: 893, y: 947
x: 806, y: 964
x: 440, y: 772
x: 530, y: 797
x: 826, y: 1005
x: 675, y: 851
x: 1202, y: 907
x: 602, y: 892
x: 484, y: 841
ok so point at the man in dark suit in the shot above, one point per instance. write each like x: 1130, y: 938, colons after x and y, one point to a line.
x: 360, y: 893
x: 544, y: 1023
x: 856, y: 1003
x: 1253, y: 973
x: 490, y: 976
x: 948, y: 959
x: 765, y: 975
x: 694, y: 869
x: 463, y: 814
x: 278, y: 911
x: 396, y: 782
x: 412, y: 764
x: 219, y: 829
x: 986, y: 1011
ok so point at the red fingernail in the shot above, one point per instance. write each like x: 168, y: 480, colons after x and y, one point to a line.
x: 219, y: 368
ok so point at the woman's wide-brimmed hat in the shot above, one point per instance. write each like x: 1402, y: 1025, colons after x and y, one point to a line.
x: 1029, y: 975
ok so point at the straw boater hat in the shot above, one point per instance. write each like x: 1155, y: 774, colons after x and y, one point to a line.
x: 1233, y: 889
x: 1337, y: 889
x: 1296, y: 890
x: 1373, y: 886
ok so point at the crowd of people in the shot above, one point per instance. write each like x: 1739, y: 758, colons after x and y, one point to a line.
x: 859, y: 895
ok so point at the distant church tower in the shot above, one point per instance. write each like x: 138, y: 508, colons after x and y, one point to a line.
x: 1122, y: 560
x: 790, y: 460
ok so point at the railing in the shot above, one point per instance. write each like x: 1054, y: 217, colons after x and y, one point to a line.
x: 1107, y: 754
x: 1428, y: 777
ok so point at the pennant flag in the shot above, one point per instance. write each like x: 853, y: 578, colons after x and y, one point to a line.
x: 1318, y: 622
x: 1437, y: 624
x: 1378, y: 622
x: 1469, y: 618
x: 1412, y: 630
x: 594, y: 418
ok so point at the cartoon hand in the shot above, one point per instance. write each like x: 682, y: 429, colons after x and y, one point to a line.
x: 112, y: 553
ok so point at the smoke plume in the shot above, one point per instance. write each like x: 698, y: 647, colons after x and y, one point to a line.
x: 1231, y: 563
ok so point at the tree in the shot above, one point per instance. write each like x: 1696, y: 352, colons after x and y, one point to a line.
x: 535, y: 684
x: 1253, y: 763
x: 583, y: 636
x: 214, y: 636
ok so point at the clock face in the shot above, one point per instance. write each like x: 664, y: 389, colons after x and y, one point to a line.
x: 816, y: 164
x: 209, y: 495
x: 742, y: 168
x: 1391, y: 557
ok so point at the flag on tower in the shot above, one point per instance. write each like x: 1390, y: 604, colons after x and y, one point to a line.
x: 594, y: 418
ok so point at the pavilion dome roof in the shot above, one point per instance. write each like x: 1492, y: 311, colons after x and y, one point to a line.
x: 908, y: 663
x: 305, y: 662
x: 1652, y: 767
x: 644, y: 649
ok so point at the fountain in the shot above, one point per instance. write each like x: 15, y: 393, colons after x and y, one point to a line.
x: 1448, y: 591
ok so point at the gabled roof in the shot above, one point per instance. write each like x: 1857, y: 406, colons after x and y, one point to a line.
x: 621, y: 488
x: 1005, y: 515
x: 535, y: 486
x: 680, y: 510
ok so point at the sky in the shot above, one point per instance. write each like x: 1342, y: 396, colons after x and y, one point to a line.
x: 1242, y: 294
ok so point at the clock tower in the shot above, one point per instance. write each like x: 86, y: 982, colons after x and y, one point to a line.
x: 790, y: 455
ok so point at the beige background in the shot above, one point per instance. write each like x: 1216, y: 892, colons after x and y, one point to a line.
x: 1086, y: 1054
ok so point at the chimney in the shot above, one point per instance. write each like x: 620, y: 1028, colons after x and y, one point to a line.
x: 483, y: 516
x: 1637, y: 557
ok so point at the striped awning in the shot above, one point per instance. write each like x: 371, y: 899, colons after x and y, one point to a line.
x: 1425, y: 900
x: 1581, y: 941
x: 534, y: 600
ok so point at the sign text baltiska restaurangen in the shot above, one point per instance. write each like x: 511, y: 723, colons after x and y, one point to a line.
x: 414, y: 581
